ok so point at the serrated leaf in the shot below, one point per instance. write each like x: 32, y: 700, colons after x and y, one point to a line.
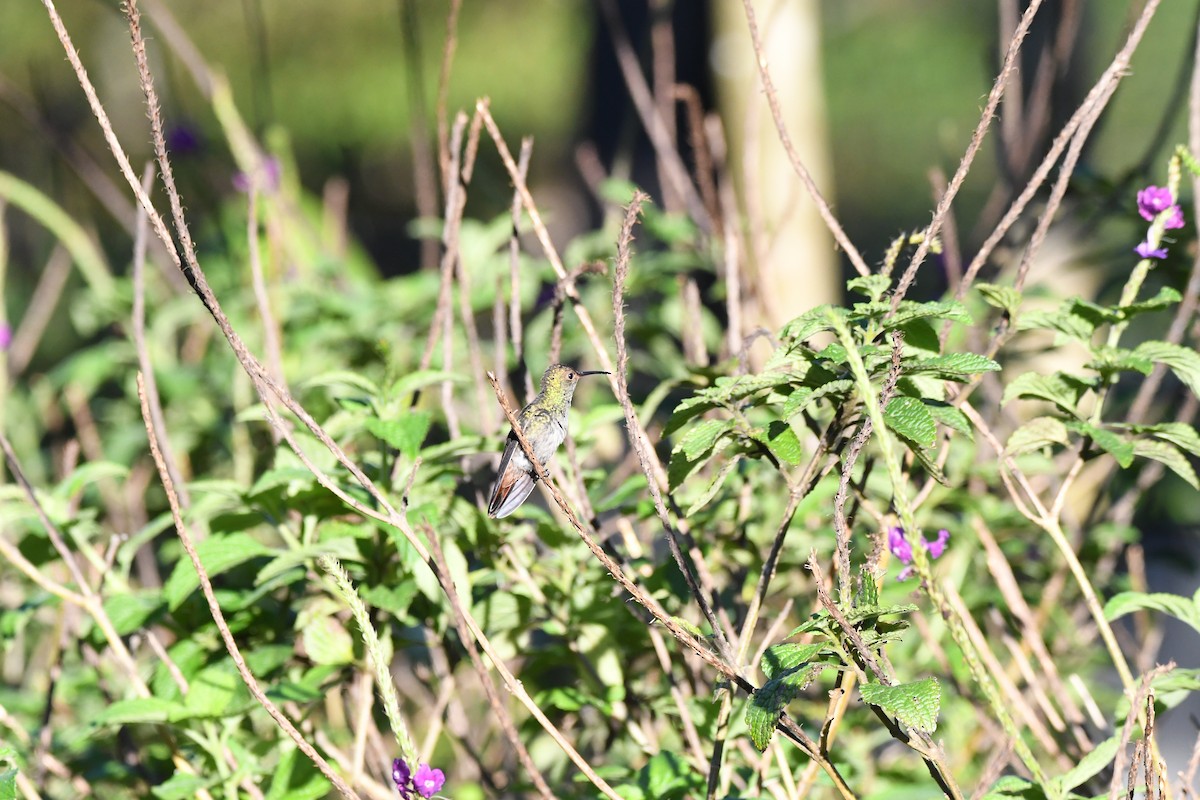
x: 1090, y: 765
x: 1039, y: 432
x: 406, y: 433
x: 1183, y: 361
x: 914, y: 704
x: 943, y: 310
x: 953, y: 366
x: 767, y: 704
x: 296, y: 778
x: 780, y: 658
x: 211, y: 691
x: 1107, y: 360
x: 1181, y: 608
x: 1070, y: 325
x: 909, y: 417
x: 781, y: 440
x: 343, y: 549
x: 218, y: 553
x: 1064, y: 391
x: 804, y: 397
x: 1114, y: 444
x: 951, y: 417
x: 700, y: 438
x: 181, y: 786
x: 810, y: 322
x: 1005, y: 298
x: 1165, y: 298
x: 714, y: 486
x: 1180, y: 434
x: 1169, y: 456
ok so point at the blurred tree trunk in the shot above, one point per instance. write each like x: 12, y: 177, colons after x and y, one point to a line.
x: 789, y: 260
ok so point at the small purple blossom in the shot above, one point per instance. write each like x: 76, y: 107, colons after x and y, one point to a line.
x: 5, y: 336
x: 402, y: 777
x: 902, y: 550
x: 1175, y: 220
x: 1146, y: 250
x: 428, y: 781
x: 266, y: 179
x: 1153, y: 200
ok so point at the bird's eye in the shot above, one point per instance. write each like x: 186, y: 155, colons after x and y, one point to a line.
x: 572, y: 375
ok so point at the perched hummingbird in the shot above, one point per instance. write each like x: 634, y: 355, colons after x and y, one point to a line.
x: 544, y: 423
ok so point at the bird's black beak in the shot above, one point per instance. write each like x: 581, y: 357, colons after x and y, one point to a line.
x: 594, y: 372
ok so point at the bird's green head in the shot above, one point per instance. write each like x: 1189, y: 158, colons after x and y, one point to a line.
x: 559, y: 382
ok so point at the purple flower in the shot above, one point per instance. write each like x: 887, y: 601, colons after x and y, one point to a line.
x: 402, y: 777
x: 1153, y: 200
x: 266, y: 178
x: 902, y: 550
x: 1175, y: 220
x: 5, y: 336
x: 1145, y: 250
x: 428, y: 781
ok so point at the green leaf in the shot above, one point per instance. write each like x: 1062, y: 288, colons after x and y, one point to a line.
x: 1183, y: 361
x: 767, y: 704
x: 405, y: 433
x: 1114, y: 444
x: 342, y: 379
x: 1039, y: 432
x: 804, y: 397
x: 810, y: 322
x: 420, y: 379
x: 1062, y: 322
x: 182, y: 786
x: 1005, y: 298
x: 327, y: 641
x: 1165, y: 298
x: 1090, y: 765
x: 1110, y: 360
x: 667, y: 776
x: 914, y: 704
x: 942, y: 310
x: 8, y: 784
x: 139, y: 710
x: 212, y: 690
x: 1180, y: 434
x: 129, y: 611
x: 87, y: 473
x: 218, y: 553
x: 1182, y: 608
x: 1169, y: 456
x: 701, y: 438
x: 296, y: 778
x: 713, y: 487
x: 951, y: 417
x: 909, y: 417
x: 780, y: 658
x: 952, y: 366
x: 1063, y: 390
x: 781, y: 440
x: 871, y: 286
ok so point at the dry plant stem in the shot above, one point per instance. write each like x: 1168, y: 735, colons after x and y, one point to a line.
x: 87, y: 599
x: 964, y: 166
x: 620, y: 274
x: 786, y: 724
x: 270, y: 327
x: 450, y: 228
x: 785, y: 139
x: 514, y: 273
x: 444, y: 91
x: 215, y: 610
x: 1091, y: 106
x: 254, y: 369
x: 657, y: 129
x: 852, y: 633
x: 40, y: 310
x: 499, y: 710
x: 1136, y: 698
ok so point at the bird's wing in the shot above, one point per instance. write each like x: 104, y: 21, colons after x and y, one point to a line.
x: 513, y: 485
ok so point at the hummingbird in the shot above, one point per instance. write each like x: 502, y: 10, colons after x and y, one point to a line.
x: 544, y: 423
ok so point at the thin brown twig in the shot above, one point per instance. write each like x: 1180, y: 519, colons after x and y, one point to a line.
x: 964, y: 166
x: 620, y: 274
x: 39, y: 311
x: 652, y: 120
x: 443, y: 92
x: 514, y: 274
x: 214, y: 608
x: 499, y: 710
x: 785, y: 139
